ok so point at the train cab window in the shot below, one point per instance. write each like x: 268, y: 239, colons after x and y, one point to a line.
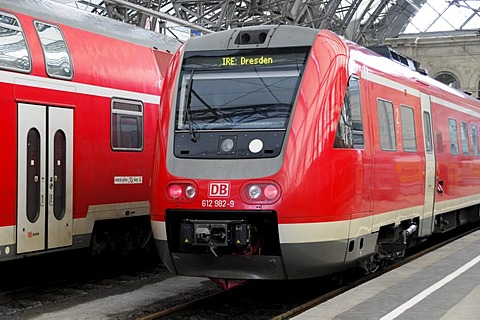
x: 388, y: 140
x: 475, y: 140
x: 350, y: 127
x: 408, y: 129
x: 464, y: 137
x: 453, y: 131
x: 55, y: 51
x: 15, y: 54
x: 127, y: 125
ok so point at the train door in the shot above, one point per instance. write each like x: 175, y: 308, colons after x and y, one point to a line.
x: 426, y: 224
x: 44, y: 175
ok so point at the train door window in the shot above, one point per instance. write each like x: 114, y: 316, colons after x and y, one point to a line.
x: 388, y: 140
x: 453, y: 131
x: 427, y: 123
x: 59, y: 174
x: 464, y: 137
x: 350, y: 126
x: 475, y: 140
x: 15, y: 54
x: 57, y: 57
x: 408, y: 129
x: 33, y: 175
x: 127, y: 125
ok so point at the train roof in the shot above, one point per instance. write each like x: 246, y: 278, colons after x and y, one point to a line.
x: 263, y: 36
x: 379, y: 62
x: 54, y: 12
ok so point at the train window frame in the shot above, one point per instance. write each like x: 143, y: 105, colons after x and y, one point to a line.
x: 347, y: 113
x: 453, y: 135
x: 122, y: 109
x: 409, y: 144
x: 390, y: 133
x: 475, y: 149
x: 16, y: 27
x: 47, y: 55
x: 464, y: 137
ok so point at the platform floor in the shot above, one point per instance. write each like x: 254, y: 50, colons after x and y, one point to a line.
x: 444, y: 284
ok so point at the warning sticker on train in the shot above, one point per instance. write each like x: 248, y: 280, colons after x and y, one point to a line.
x: 128, y: 180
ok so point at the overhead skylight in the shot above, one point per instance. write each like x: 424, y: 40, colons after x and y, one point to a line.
x: 442, y: 15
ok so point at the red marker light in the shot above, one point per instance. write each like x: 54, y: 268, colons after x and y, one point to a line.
x: 270, y: 192
x: 174, y: 191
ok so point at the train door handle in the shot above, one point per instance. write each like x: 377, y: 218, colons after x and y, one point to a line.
x: 50, y: 202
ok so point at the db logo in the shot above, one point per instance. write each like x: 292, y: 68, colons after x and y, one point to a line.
x: 219, y: 189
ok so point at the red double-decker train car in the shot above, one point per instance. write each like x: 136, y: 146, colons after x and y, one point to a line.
x: 285, y: 152
x: 79, y: 105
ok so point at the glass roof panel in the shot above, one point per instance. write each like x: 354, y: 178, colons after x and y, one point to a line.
x: 443, y: 15
x: 474, y: 23
x: 419, y: 23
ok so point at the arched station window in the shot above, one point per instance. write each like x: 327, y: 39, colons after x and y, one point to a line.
x: 449, y: 79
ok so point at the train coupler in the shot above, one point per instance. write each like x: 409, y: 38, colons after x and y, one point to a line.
x: 215, y: 233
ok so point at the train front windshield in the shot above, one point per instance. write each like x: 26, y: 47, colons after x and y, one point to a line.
x: 239, y: 90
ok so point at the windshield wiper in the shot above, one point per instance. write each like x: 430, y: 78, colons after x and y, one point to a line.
x: 193, y: 135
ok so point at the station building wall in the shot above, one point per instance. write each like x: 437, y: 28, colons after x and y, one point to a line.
x: 452, y: 59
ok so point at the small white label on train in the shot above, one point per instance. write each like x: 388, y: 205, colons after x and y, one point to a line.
x: 128, y: 180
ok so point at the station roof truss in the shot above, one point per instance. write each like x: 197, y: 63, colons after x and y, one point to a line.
x: 367, y: 22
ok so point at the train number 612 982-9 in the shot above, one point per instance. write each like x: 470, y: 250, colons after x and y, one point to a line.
x: 218, y: 203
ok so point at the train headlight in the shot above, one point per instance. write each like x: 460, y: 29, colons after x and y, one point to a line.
x: 254, y: 191
x: 261, y: 192
x: 181, y: 191
x: 227, y: 145
x: 190, y: 192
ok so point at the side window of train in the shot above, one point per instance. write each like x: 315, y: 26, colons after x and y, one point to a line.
x: 349, y: 133
x: 57, y: 57
x: 15, y: 54
x: 408, y: 129
x: 475, y: 140
x: 453, y: 131
x: 464, y: 137
x: 386, y: 125
x: 127, y: 125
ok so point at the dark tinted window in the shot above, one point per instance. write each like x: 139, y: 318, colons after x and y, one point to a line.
x: 127, y: 125
x: 33, y: 175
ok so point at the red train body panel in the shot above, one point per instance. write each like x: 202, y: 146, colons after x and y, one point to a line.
x: 286, y: 152
x: 76, y: 89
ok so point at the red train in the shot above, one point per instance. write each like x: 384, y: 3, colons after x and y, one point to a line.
x: 285, y: 152
x: 79, y: 104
